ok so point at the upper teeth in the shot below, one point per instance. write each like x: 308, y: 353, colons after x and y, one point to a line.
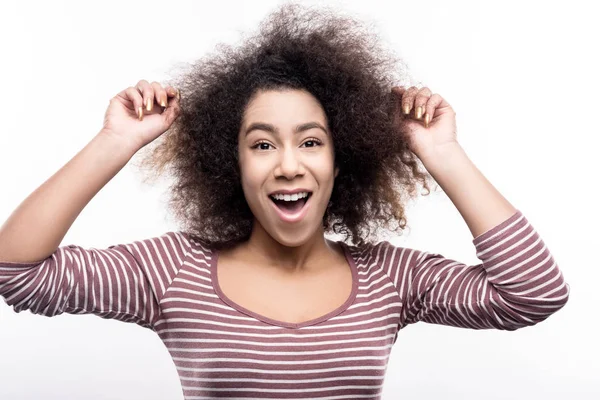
x: 289, y: 197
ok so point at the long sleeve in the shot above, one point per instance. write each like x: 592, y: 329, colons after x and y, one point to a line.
x: 124, y: 281
x: 517, y: 283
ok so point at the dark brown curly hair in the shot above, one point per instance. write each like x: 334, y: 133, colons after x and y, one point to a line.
x: 338, y: 61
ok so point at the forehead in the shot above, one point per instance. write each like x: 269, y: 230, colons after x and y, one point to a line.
x: 290, y: 106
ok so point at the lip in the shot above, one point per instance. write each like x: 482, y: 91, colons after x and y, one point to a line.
x: 292, y: 217
x: 292, y: 191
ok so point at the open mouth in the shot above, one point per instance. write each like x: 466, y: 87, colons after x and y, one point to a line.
x: 291, y: 206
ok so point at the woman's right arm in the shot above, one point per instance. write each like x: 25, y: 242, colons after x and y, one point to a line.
x: 124, y: 281
x: 132, y: 120
x: 38, y: 225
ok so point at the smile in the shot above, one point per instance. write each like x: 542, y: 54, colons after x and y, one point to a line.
x: 291, y: 210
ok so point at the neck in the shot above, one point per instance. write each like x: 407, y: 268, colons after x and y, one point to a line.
x: 309, y: 256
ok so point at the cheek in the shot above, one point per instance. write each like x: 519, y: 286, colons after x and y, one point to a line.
x: 253, y: 176
x: 252, y: 190
x: 324, y: 168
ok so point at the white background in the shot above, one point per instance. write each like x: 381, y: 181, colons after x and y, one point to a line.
x: 522, y: 77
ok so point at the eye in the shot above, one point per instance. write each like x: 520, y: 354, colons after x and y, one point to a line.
x: 314, y: 142
x: 262, y: 145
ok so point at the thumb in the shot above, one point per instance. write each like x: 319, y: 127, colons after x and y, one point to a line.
x: 171, y: 113
x: 399, y: 90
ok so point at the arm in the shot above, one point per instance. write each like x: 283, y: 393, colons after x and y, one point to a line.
x: 476, y: 199
x: 38, y: 225
x: 518, y: 282
x: 124, y: 281
x: 36, y: 228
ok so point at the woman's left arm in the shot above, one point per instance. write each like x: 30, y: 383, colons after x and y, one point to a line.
x: 429, y: 124
x: 518, y: 277
x: 477, y: 200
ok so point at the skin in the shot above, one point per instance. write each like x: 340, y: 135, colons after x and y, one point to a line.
x: 287, y: 160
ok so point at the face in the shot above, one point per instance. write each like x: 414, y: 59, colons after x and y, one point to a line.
x: 282, y: 148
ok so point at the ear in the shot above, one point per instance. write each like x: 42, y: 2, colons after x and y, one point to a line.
x: 336, y: 172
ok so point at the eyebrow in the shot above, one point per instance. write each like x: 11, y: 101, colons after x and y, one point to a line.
x: 270, y: 128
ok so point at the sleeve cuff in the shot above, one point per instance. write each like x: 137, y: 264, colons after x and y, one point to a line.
x: 501, y: 230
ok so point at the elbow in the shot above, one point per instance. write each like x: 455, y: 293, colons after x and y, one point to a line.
x: 563, y: 295
x: 537, y: 309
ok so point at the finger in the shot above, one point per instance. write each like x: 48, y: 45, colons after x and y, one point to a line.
x: 160, y: 94
x: 133, y: 94
x: 408, y: 99
x: 433, y: 103
x: 399, y: 90
x: 147, y: 93
x: 172, y: 112
x: 173, y: 94
x: 171, y: 91
x: 420, y: 100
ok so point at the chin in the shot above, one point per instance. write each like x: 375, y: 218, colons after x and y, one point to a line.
x: 292, y: 238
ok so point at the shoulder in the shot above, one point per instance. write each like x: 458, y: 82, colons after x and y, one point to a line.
x: 368, y: 251
x: 193, y: 244
x: 384, y: 252
x: 370, y: 248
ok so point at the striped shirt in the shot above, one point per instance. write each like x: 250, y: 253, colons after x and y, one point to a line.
x: 222, y: 350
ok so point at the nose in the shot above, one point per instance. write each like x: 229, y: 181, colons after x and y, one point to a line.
x: 289, y: 164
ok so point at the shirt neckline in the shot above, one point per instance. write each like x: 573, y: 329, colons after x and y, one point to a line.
x: 351, y: 263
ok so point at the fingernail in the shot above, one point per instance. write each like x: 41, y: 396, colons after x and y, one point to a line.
x: 419, y: 112
x: 162, y: 103
x: 149, y: 104
x: 427, y: 120
x: 406, y: 109
x: 178, y: 95
x: 140, y: 113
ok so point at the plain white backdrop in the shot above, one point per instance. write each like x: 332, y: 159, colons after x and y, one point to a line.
x: 522, y: 77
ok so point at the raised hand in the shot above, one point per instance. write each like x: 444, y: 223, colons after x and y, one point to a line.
x: 433, y: 123
x: 141, y: 113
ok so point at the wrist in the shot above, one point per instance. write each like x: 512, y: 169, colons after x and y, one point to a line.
x: 442, y: 154
x: 117, y: 144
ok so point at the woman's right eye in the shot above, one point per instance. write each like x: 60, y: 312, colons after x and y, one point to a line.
x: 261, y: 146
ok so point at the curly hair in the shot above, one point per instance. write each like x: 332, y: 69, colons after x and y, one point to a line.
x: 340, y: 63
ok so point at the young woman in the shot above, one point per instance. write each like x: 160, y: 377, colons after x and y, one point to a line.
x: 299, y: 133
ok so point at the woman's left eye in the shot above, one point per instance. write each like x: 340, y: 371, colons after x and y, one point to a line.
x: 314, y: 142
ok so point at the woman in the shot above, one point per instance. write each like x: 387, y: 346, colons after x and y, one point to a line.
x: 300, y: 132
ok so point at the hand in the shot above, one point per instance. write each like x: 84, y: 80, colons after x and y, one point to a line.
x: 134, y: 118
x: 433, y: 128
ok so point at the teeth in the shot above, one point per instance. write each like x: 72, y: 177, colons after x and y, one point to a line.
x: 290, y: 197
